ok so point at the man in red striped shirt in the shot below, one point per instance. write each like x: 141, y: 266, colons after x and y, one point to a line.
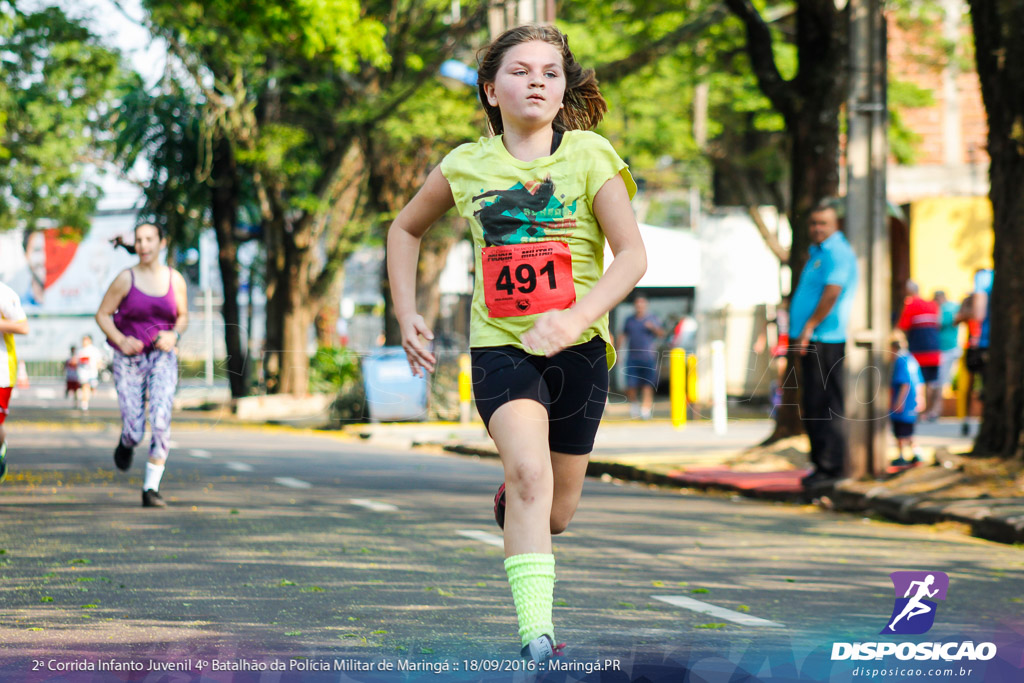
x: 920, y: 321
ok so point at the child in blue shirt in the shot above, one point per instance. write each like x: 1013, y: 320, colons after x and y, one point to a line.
x: 906, y: 398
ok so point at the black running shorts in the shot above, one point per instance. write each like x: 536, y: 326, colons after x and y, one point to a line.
x: 572, y: 386
x: 976, y: 359
x: 902, y: 430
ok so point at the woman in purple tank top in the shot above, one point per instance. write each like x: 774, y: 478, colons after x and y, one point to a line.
x: 143, y: 315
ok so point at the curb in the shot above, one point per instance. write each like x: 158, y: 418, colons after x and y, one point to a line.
x: 902, y: 508
x: 101, y: 424
x: 595, y: 468
x: 909, y: 509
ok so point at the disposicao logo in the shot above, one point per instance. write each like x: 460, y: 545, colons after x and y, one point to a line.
x: 913, y: 613
x: 914, y: 610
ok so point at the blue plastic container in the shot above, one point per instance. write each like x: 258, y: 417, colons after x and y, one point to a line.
x: 392, y: 392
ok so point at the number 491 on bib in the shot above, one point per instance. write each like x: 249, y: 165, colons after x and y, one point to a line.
x: 527, y: 279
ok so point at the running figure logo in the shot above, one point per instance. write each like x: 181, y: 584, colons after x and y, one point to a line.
x: 914, y: 612
x: 524, y: 213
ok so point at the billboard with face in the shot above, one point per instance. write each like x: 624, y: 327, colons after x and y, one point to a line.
x: 58, y: 273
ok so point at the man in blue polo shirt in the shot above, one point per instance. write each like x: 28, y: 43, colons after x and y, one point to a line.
x: 819, y: 315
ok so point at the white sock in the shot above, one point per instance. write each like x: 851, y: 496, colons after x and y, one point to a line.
x: 153, y: 475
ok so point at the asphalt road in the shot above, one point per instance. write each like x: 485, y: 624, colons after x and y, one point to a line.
x: 286, y: 546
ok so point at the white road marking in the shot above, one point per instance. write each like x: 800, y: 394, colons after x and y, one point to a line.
x: 482, y: 536
x: 714, y: 610
x: 46, y: 394
x: 239, y: 467
x: 374, y: 505
x: 293, y: 483
x: 200, y: 453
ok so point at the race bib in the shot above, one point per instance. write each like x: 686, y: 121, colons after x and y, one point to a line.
x: 526, y: 279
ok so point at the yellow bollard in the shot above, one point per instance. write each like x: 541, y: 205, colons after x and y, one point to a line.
x: 691, y: 379
x: 465, y: 388
x: 677, y: 387
x: 963, y: 391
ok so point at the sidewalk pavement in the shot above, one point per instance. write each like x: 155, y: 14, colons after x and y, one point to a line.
x: 692, y: 458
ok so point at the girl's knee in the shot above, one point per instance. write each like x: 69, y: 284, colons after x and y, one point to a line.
x: 558, y: 525
x: 528, y: 482
x: 561, y: 516
x: 527, y: 475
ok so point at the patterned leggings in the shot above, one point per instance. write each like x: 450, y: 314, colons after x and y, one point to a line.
x: 153, y: 374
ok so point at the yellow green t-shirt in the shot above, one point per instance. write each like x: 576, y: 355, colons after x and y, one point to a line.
x: 550, y: 199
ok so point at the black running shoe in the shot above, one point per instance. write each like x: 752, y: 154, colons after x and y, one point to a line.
x: 499, y: 506
x: 152, y: 499
x: 3, y: 461
x: 123, y: 456
x: 818, y: 481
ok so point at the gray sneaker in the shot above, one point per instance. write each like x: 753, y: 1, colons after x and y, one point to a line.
x: 542, y: 649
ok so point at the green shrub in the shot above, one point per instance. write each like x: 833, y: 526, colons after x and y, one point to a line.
x: 337, y: 371
x: 331, y: 369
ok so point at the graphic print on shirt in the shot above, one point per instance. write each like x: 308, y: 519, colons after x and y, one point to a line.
x: 526, y: 263
x: 524, y: 213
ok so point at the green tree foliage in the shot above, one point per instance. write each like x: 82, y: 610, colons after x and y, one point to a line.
x: 685, y: 106
x: 294, y: 96
x: 652, y: 92
x: 653, y: 103
x: 903, y: 142
x: 193, y: 184
x: 401, y: 151
x: 57, y: 81
x: 167, y: 131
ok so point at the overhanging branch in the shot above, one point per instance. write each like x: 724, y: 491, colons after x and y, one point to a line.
x: 762, y: 57
x: 619, y: 69
x: 737, y: 176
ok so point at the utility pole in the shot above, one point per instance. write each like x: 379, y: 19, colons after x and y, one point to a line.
x: 512, y: 13
x: 868, y: 366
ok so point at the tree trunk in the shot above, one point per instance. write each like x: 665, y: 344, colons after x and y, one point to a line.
x: 224, y: 210
x: 810, y: 104
x: 815, y: 175
x: 998, y: 27
x: 291, y: 307
x: 428, y: 276
x: 295, y: 323
x: 436, y: 246
x: 395, y: 172
x: 277, y: 303
x: 326, y: 322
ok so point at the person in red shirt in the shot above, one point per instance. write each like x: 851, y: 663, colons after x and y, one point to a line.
x: 920, y: 322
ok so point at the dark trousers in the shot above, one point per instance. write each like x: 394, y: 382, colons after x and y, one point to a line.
x: 822, y: 408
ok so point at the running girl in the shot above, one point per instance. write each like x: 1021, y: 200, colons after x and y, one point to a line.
x: 542, y: 195
x: 72, y: 385
x: 143, y: 315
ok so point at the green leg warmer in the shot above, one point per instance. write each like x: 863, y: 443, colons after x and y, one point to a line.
x: 532, y: 578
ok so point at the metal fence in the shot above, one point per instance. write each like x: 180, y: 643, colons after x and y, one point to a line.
x: 749, y: 372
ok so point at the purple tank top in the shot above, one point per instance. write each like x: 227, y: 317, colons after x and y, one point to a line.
x: 143, y: 316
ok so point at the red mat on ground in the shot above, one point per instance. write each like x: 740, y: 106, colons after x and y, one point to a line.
x: 788, y: 481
